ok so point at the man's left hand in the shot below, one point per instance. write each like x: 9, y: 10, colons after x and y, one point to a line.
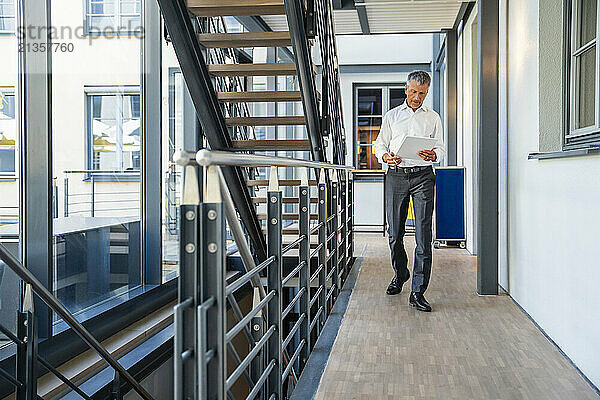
x: 427, y: 155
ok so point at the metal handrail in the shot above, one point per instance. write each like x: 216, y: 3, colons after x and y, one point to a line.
x: 217, y: 207
x: 69, y: 319
x: 207, y: 157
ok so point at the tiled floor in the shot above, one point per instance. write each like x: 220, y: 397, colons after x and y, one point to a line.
x: 469, y: 347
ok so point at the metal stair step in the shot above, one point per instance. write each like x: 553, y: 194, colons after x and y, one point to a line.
x: 282, y: 182
x: 260, y: 69
x: 290, y: 231
x: 215, y: 8
x: 272, y: 145
x: 245, y: 39
x: 265, y: 121
x: 259, y: 96
x: 312, y: 245
x: 288, y: 216
x: 288, y: 200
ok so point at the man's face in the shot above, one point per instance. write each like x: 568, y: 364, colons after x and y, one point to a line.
x: 415, y: 94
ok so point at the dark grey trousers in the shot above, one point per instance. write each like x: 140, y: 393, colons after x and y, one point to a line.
x: 399, y: 187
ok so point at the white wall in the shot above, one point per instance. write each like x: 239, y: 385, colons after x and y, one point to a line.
x: 553, y: 213
x: 385, y: 49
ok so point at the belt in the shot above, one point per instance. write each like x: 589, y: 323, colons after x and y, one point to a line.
x: 409, y: 170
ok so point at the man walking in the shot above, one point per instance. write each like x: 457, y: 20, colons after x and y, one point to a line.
x: 410, y: 177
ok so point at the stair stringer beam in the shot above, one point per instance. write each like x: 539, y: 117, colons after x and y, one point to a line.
x: 306, y: 79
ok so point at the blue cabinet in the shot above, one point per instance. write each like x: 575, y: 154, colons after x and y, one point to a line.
x: 450, y: 204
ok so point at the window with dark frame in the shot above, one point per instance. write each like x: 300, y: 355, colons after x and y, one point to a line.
x: 371, y: 104
x: 583, y: 122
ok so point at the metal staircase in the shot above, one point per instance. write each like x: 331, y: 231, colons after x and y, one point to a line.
x: 218, y: 84
x: 300, y: 229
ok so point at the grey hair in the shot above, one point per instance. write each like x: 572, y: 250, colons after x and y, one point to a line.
x: 420, y: 77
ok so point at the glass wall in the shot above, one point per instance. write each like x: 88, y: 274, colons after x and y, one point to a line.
x: 97, y: 144
x: 9, y: 165
x: 173, y: 91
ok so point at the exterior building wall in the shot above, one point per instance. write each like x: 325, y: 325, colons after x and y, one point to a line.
x: 552, y: 204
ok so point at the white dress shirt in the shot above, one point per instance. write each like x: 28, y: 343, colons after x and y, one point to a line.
x: 402, y: 121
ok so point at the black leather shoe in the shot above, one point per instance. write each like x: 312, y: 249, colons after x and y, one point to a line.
x: 417, y: 300
x: 395, y: 286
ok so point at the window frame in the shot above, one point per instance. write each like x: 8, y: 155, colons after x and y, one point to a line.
x: 11, y: 175
x: 385, y: 107
x: 119, y: 91
x: 38, y: 212
x: 8, y: 16
x: 117, y: 17
x: 577, y: 138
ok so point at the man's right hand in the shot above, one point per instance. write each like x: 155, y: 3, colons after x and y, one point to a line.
x: 391, y: 159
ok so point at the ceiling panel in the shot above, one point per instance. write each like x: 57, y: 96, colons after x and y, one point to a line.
x: 390, y: 16
x: 411, y: 16
x: 346, y: 22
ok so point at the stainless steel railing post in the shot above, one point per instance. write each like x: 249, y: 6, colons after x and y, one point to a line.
x: 304, y: 225
x: 334, y: 231
x: 212, y: 284
x: 186, y: 370
x: 343, y: 222
x: 351, y: 214
x: 93, y: 183
x: 27, y: 356
x: 66, y: 197
x: 274, y: 276
x: 322, y: 206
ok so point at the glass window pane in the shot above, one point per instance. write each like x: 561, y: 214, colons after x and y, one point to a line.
x: 367, y: 159
x: 173, y: 175
x: 587, y: 21
x: 368, y: 129
x: 130, y: 23
x: 131, y: 131
x: 397, y: 97
x: 101, y: 23
x: 130, y: 7
x: 102, y: 7
x: 7, y: 24
x: 96, y: 160
x: 369, y: 101
x: 7, y: 10
x: 10, y: 284
x: 586, y: 89
x: 8, y: 133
